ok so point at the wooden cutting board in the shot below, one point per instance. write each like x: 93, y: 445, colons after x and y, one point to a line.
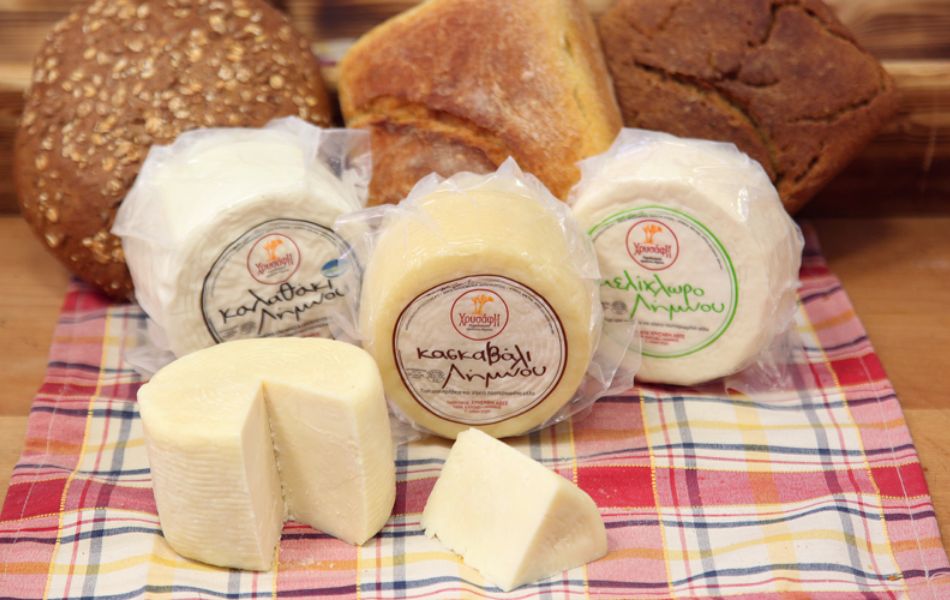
x: 905, y: 171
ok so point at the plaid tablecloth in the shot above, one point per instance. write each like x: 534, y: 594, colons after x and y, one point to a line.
x: 817, y: 493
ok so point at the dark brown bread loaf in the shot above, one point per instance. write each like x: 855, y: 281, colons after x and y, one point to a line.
x: 462, y: 84
x: 782, y: 79
x: 117, y: 76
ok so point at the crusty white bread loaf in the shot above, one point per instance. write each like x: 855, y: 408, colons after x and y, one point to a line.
x: 456, y: 85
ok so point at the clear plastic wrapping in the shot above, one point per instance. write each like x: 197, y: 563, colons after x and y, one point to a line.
x: 480, y: 304
x: 228, y: 234
x: 695, y: 245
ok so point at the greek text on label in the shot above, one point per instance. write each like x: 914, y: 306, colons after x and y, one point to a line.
x: 317, y: 293
x: 655, y: 287
x: 519, y: 362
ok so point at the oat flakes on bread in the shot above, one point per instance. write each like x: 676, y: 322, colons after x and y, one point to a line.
x: 115, y: 77
x: 782, y: 79
x: 454, y: 85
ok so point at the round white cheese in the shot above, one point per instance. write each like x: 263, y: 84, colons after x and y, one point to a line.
x: 476, y: 309
x: 693, y: 244
x: 245, y: 434
x: 228, y: 234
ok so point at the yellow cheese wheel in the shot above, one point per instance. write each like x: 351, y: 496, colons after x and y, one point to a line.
x: 476, y: 307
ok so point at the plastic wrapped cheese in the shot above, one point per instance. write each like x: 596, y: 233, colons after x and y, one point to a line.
x: 479, y: 303
x: 694, y: 245
x: 228, y: 232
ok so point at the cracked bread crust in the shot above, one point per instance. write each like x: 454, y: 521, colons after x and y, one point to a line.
x: 462, y: 84
x: 782, y: 79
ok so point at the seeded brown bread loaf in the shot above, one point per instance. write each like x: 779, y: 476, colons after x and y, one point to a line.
x: 462, y: 84
x: 117, y: 76
x: 782, y: 79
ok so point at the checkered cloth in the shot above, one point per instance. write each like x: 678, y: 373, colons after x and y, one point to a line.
x: 816, y: 493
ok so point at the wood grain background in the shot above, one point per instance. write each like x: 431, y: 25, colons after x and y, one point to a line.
x: 906, y: 170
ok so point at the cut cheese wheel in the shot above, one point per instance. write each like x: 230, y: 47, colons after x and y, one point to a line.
x: 510, y: 517
x: 475, y: 309
x: 228, y: 235
x: 693, y: 244
x: 248, y: 433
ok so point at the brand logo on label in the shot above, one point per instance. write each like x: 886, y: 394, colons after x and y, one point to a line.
x: 273, y: 258
x: 652, y: 244
x: 479, y: 314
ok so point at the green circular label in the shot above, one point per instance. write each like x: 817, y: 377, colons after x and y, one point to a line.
x: 669, y: 272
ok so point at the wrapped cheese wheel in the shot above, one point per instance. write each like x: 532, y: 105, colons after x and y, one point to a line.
x: 228, y: 232
x: 695, y: 246
x: 479, y: 304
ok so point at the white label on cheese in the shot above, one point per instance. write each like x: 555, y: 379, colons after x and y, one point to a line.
x: 672, y: 275
x: 282, y: 277
x: 479, y: 349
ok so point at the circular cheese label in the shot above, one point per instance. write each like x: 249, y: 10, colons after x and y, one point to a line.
x: 282, y: 277
x: 479, y: 349
x: 668, y: 271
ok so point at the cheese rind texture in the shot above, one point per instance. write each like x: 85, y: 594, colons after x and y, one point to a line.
x: 508, y: 516
x: 246, y: 434
x: 694, y: 245
x: 475, y: 308
x: 228, y: 235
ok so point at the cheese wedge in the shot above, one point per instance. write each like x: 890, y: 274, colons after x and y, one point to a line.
x: 246, y: 434
x: 508, y: 516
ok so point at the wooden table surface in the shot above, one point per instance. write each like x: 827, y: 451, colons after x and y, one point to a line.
x: 896, y: 270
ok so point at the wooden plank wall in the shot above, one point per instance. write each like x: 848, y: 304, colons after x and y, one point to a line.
x: 905, y: 171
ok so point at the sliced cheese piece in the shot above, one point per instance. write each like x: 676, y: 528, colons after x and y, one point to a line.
x: 475, y: 309
x: 246, y: 434
x: 693, y: 244
x: 510, y: 517
x: 228, y: 235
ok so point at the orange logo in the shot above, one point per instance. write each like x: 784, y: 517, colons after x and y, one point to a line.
x: 479, y: 303
x: 273, y: 258
x: 271, y: 248
x: 652, y: 253
x: 487, y: 316
x: 649, y: 231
